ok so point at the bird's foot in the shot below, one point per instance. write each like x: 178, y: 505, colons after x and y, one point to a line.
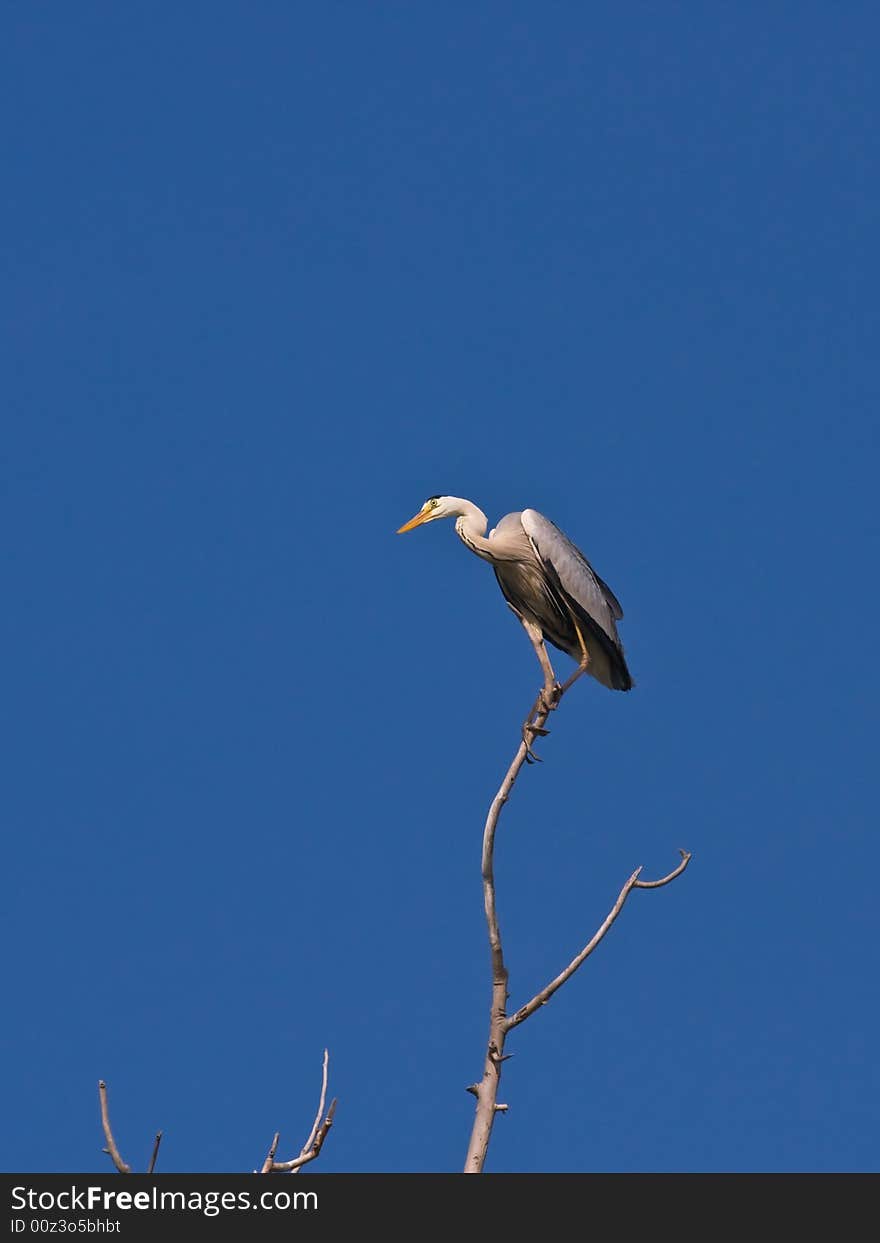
x: 550, y: 697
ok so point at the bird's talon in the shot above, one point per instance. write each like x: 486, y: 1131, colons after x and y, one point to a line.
x: 550, y: 698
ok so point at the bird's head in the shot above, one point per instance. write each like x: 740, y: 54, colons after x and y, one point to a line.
x: 434, y: 507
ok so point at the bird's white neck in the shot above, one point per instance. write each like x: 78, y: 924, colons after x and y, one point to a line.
x: 470, y: 527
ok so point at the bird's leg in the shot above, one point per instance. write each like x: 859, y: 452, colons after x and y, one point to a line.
x: 584, y: 661
x: 551, y: 691
x: 548, y: 696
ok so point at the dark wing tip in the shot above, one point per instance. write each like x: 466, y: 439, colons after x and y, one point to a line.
x: 621, y: 676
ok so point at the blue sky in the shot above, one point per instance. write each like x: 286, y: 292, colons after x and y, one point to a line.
x: 274, y: 274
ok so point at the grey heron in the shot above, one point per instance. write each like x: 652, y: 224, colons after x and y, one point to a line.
x: 549, y: 584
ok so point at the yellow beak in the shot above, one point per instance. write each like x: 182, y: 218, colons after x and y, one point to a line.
x: 420, y: 517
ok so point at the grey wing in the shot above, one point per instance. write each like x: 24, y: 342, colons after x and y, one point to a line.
x: 574, y: 572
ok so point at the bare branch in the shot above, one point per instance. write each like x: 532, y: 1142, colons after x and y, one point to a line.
x: 486, y: 1090
x: 111, y: 1149
x: 313, y: 1145
x: 156, y: 1144
x: 541, y: 999
x: 308, y: 1145
x: 270, y: 1156
x: 291, y: 1167
x: 664, y: 880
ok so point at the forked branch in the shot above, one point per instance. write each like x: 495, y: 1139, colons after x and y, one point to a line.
x: 313, y: 1145
x: 500, y: 1024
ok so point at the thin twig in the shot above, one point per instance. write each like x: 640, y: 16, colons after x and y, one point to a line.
x: 319, y: 1132
x: 541, y: 998
x: 156, y: 1144
x: 270, y: 1156
x: 111, y: 1149
x: 307, y: 1146
x: 664, y: 880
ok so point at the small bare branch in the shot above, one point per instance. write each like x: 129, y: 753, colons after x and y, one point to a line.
x: 307, y: 1146
x: 291, y: 1167
x: 270, y: 1156
x: 111, y: 1149
x: 319, y: 1132
x: 541, y: 998
x: 664, y: 880
x: 151, y: 1167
